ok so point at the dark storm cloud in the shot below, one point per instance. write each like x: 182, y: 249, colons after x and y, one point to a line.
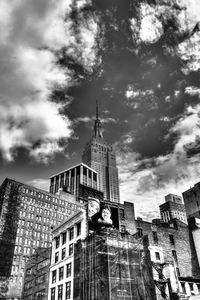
x: 121, y: 61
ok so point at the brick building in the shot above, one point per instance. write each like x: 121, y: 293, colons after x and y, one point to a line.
x: 170, y: 241
x: 27, y: 217
x: 172, y: 252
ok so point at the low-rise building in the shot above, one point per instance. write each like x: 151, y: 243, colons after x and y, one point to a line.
x: 172, y: 254
x: 65, y: 236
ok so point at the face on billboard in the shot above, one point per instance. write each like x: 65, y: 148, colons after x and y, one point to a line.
x: 93, y: 207
x: 102, y: 215
x: 105, y: 217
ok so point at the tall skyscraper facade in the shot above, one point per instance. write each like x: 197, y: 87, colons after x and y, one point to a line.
x: 99, y: 155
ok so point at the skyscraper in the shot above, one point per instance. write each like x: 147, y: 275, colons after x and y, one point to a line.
x: 99, y: 155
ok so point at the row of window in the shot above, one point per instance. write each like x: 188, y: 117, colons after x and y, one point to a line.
x: 27, y: 250
x: 60, y: 291
x: 60, y: 273
x: 53, y: 200
x: 64, y: 253
x: 174, y: 255
x: 29, y: 215
x: 35, y: 234
x: 155, y: 236
x: 71, y: 233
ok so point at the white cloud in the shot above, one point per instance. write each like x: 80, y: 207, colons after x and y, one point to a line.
x: 189, y: 51
x: 30, y: 32
x: 192, y: 90
x: 108, y: 120
x: 151, y: 28
x: 24, y: 124
x: 40, y: 183
x: 146, y: 181
x: 83, y: 119
x: 82, y: 42
x: 133, y: 92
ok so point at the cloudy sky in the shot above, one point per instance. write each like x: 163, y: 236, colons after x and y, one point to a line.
x: 140, y: 59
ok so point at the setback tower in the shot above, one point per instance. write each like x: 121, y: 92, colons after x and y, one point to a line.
x: 99, y: 155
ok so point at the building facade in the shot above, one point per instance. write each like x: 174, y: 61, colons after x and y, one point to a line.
x: 27, y: 216
x: 99, y: 155
x: 65, y: 236
x: 36, y: 276
x: 112, y: 265
x: 172, y: 255
x: 70, y: 179
x: 192, y: 201
x: 173, y: 208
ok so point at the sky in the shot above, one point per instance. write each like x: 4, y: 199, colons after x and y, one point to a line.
x: 139, y: 59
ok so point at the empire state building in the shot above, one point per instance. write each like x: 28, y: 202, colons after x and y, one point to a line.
x: 99, y: 155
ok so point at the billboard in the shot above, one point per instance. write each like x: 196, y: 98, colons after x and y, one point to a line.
x: 101, y: 215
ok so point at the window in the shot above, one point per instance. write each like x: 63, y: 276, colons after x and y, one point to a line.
x: 68, y: 290
x: 56, y: 257
x: 155, y: 237
x: 68, y: 270
x: 157, y: 255
x: 140, y: 232
x: 178, y: 272
x: 61, y: 271
x: 71, y: 233
x: 78, y: 228
x: 40, y: 294
x: 171, y: 238
x: 53, y: 293
x: 64, y: 235
x: 63, y: 253
x: 121, y: 214
x: 174, y: 255
x: 70, y: 249
x: 123, y: 228
x: 57, y: 241
x: 54, y: 276
x: 60, y: 292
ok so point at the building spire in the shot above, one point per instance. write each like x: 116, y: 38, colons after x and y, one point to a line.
x: 97, y: 110
x: 97, y: 123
